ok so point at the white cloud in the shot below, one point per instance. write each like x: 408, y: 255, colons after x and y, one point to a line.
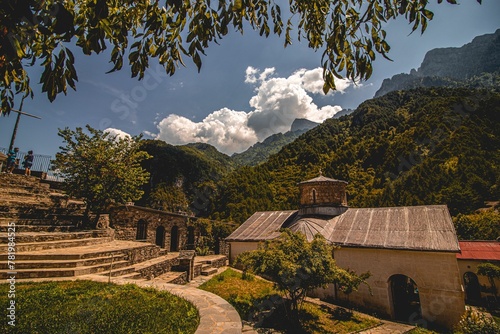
x: 276, y: 104
x: 225, y: 129
x: 117, y: 133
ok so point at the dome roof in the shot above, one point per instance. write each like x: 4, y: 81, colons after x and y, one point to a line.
x: 322, y: 178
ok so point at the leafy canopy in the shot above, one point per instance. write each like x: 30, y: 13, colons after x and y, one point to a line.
x: 100, y: 168
x: 297, y: 266
x: 349, y: 33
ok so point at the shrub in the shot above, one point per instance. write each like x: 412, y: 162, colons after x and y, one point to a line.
x: 475, y: 322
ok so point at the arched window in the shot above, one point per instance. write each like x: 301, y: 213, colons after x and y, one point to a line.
x: 314, y: 196
x: 142, y: 230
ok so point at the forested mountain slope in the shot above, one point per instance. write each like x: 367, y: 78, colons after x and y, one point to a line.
x: 194, y: 169
x: 423, y: 146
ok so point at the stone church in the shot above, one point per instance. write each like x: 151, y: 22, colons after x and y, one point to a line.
x: 409, y: 251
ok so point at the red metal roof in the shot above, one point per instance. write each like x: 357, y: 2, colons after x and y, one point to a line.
x: 479, y: 250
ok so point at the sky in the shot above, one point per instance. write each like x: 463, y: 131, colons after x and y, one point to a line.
x: 249, y: 87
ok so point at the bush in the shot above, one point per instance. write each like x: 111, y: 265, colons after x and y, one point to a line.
x: 475, y: 322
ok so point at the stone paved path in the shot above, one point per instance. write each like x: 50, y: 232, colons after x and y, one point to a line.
x: 389, y: 327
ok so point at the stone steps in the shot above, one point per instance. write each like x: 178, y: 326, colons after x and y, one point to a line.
x: 31, y: 237
x: 63, y: 272
x: 209, y: 270
x: 36, y: 246
x: 25, y: 228
x: 66, y: 263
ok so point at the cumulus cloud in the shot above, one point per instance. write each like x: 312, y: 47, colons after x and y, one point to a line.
x: 277, y: 102
x: 117, y: 133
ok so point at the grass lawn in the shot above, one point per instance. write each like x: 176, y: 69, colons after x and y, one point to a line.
x: 257, y: 301
x: 92, y: 307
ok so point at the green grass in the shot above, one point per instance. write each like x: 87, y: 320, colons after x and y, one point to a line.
x: 92, y: 307
x: 253, y: 299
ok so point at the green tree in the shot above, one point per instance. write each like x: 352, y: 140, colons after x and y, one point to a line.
x: 492, y: 272
x: 348, y: 32
x: 297, y: 266
x: 100, y: 168
x: 168, y: 198
x: 481, y: 225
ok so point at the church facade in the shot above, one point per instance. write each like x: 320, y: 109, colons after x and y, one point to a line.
x: 409, y: 251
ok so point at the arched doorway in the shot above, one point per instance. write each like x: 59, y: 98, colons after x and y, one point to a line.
x: 142, y: 230
x: 174, y: 239
x: 472, y: 289
x: 405, y: 299
x: 190, y: 240
x: 160, y: 236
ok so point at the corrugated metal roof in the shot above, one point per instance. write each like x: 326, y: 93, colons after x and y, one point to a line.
x: 261, y: 226
x: 412, y: 228
x: 309, y: 226
x: 479, y: 250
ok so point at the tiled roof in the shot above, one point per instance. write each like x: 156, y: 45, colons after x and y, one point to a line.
x: 479, y: 250
x: 413, y: 228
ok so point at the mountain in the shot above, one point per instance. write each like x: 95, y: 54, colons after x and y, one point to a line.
x: 302, y: 124
x: 261, y: 151
x: 417, y: 147
x: 453, y: 67
x: 193, y: 167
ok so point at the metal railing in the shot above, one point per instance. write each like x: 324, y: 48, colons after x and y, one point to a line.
x: 41, y: 163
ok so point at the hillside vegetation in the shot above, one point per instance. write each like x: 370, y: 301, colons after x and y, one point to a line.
x: 423, y: 146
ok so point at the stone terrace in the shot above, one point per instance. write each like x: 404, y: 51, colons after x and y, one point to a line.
x: 49, y: 243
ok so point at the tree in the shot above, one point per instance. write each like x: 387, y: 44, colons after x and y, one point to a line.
x: 169, y: 198
x: 349, y: 32
x: 492, y: 272
x: 100, y: 168
x: 297, y: 266
x: 481, y: 225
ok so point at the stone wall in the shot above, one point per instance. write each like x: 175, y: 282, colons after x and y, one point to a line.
x: 323, y: 193
x: 159, y: 268
x: 436, y: 276
x: 126, y: 220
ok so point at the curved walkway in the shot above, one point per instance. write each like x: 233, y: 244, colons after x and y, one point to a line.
x: 216, y: 314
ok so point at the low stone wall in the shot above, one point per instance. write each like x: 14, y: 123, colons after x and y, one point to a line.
x: 221, y: 262
x: 181, y: 279
x: 136, y: 255
x: 159, y: 268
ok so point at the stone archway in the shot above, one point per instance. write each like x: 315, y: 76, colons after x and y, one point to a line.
x: 160, y: 236
x: 405, y: 299
x: 174, y: 239
x: 472, y: 289
x: 142, y: 230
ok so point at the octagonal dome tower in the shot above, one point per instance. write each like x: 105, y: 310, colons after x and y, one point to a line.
x: 323, y: 196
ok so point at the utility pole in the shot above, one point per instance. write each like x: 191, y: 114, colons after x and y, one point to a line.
x: 19, y: 113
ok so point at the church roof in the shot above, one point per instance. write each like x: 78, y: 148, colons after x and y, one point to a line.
x: 261, y: 226
x: 321, y: 178
x: 479, y: 250
x: 427, y: 228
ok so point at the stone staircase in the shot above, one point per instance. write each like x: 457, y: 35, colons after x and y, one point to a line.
x: 43, y: 227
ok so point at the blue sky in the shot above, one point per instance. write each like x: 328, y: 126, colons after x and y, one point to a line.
x: 248, y: 87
